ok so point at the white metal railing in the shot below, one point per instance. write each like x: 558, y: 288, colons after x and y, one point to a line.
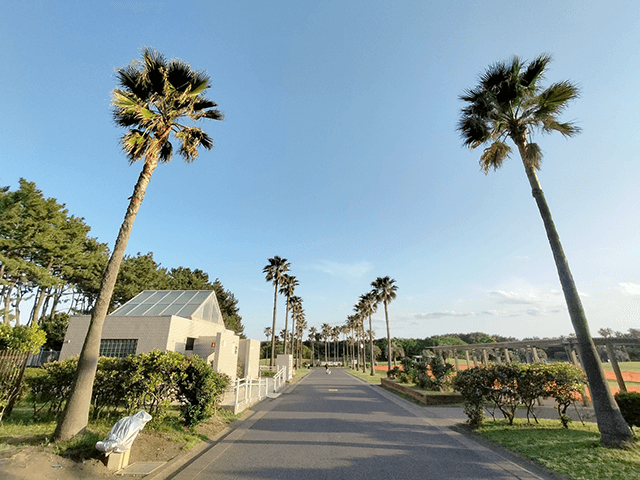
x: 250, y: 390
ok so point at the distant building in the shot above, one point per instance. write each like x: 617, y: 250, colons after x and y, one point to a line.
x: 184, y: 321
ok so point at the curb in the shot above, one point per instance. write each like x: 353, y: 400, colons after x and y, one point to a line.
x: 181, y: 461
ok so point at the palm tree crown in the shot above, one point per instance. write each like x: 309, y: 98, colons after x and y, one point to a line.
x: 154, y: 97
x: 509, y: 102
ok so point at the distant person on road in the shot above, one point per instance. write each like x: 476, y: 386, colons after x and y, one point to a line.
x: 326, y: 367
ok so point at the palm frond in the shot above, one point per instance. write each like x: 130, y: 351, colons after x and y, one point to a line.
x: 533, y: 156
x: 535, y: 71
x: 191, y: 138
x: 494, y: 156
x: 567, y: 129
x: 555, y: 98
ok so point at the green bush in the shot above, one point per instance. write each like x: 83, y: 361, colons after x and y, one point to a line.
x: 394, y: 372
x: 442, y: 373
x: 198, y: 391
x: 506, y: 386
x: 21, y: 338
x: 148, y: 381
x: 472, y: 384
x: 404, y: 377
x: 629, y: 403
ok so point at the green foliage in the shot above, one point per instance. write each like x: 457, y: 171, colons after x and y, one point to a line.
x: 148, y: 381
x: 394, y: 372
x: 52, y: 385
x: 55, y: 327
x: 442, y: 373
x: 629, y: 404
x: 41, y: 246
x: 21, y: 338
x: 472, y: 384
x: 506, y: 386
x: 199, y: 388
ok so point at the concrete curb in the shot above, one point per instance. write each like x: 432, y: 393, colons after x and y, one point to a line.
x: 182, y: 461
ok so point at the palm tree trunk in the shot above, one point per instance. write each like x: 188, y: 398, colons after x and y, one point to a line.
x: 76, y: 413
x: 286, y: 325
x: 614, y: 430
x: 386, y: 317
x: 273, y: 328
x: 371, y: 346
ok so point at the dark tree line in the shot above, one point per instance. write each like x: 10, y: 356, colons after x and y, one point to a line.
x: 47, y: 256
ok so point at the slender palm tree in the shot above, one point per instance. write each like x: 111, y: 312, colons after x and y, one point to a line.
x: 274, y: 272
x: 287, y: 288
x: 301, y: 326
x: 510, y: 103
x: 267, y: 333
x: 154, y: 98
x: 326, y: 333
x: 368, y: 305
x: 385, y: 292
x: 313, y: 331
x: 297, y: 314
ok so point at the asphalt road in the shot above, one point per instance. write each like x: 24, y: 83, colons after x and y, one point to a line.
x: 337, y: 427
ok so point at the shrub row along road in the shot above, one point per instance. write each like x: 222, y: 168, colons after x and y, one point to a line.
x: 337, y: 427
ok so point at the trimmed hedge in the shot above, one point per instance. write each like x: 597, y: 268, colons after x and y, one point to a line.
x: 148, y: 381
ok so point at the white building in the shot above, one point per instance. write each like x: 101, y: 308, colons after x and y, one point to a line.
x: 186, y: 321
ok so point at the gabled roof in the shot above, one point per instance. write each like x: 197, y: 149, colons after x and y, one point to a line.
x: 192, y: 304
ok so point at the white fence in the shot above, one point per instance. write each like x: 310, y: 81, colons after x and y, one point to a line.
x: 246, y: 391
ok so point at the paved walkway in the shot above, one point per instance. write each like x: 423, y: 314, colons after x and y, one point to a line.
x: 337, y: 427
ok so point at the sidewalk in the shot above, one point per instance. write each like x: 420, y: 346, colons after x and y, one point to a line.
x: 338, y: 426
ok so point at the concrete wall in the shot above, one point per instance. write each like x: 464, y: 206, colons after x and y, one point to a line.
x: 249, y: 358
x: 285, y: 361
x: 151, y: 332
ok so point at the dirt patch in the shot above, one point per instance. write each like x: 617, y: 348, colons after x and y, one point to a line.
x: 35, y: 462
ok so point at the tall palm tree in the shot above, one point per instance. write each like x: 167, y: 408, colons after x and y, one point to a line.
x: 274, y: 271
x: 313, y: 331
x: 267, y: 333
x: 510, y: 103
x: 297, y: 314
x: 154, y: 98
x: 335, y: 336
x: 287, y: 288
x: 385, y: 292
x: 326, y: 333
x: 368, y: 305
x: 301, y: 326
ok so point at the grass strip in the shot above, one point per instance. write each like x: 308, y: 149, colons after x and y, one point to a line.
x: 575, y: 452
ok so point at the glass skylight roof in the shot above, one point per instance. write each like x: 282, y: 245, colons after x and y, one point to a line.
x: 200, y: 304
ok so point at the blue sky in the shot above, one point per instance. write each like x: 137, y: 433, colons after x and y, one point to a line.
x: 339, y: 152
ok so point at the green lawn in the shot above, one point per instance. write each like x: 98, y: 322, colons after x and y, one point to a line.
x: 575, y: 452
x: 624, y: 366
x: 367, y: 375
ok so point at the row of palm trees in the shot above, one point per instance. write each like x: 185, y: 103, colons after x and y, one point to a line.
x: 384, y: 291
x: 284, y: 284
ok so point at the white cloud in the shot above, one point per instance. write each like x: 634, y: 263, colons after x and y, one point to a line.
x: 630, y: 288
x: 431, y: 315
x: 351, y: 271
x: 514, y: 298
